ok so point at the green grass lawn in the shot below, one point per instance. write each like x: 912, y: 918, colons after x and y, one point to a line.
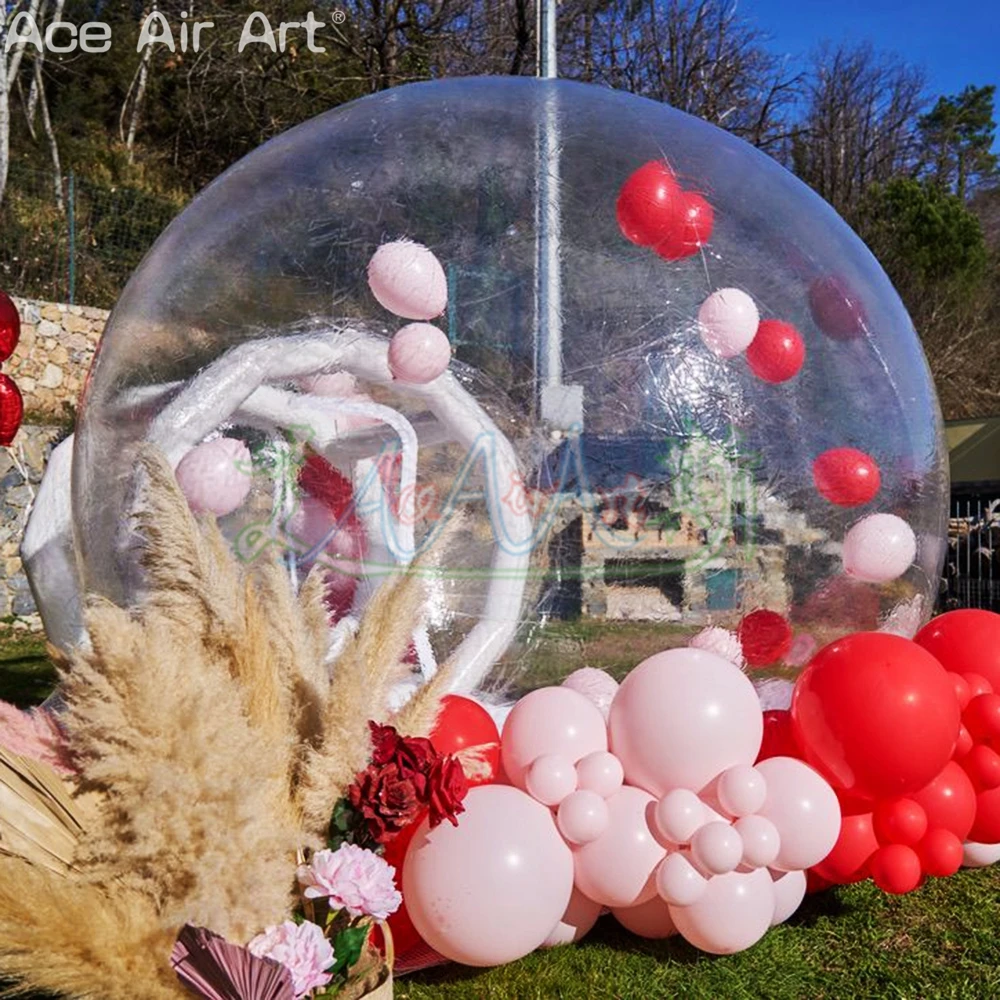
x: 854, y: 942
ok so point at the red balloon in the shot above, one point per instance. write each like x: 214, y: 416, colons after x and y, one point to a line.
x: 776, y: 352
x: 964, y: 744
x: 11, y: 409
x: 848, y: 861
x: 986, y: 828
x: 967, y: 642
x: 982, y: 717
x: 464, y: 723
x: 982, y: 765
x: 696, y: 221
x: 650, y: 205
x: 962, y: 690
x: 846, y: 476
x: 404, y: 934
x: 949, y: 801
x: 765, y: 637
x: 10, y: 327
x: 978, y: 685
x: 900, y: 821
x: 779, y: 740
x: 896, y: 869
x: 876, y: 715
x: 836, y: 309
x: 940, y: 853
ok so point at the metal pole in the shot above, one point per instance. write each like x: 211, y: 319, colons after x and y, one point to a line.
x: 71, y: 212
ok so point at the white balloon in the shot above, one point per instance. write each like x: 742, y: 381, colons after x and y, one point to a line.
x: 789, y: 891
x: 980, y: 855
x: 879, y: 548
x: 741, y: 790
x: 717, y: 847
x: 761, y: 841
x: 728, y: 321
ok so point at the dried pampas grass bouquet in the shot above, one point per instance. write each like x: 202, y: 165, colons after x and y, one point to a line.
x: 209, y: 816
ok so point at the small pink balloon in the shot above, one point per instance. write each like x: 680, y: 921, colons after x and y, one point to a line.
x: 879, y: 548
x: 597, y: 685
x: 550, y: 779
x: 418, y: 353
x: 617, y: 868
x: 727, y: 321
x: 649, y: 920
x: 734, y: 913
x: 491, y: 889
x: 683, y: 717
x: 333, y: 385
x: 408, y: 280
x: 546, y: 721
x: 215, y: 476
x: 583, y: 816
x: 761, y: 842
x: 717, y: 848
x: 600, y: 772
x: 310, y: 522
x: 679, y: 814
x: 741, y: 790
x: 678, y: 882
x: 577, y: 921
x: 789, y: 891
x: 803, y: 808
x: 801, y: 650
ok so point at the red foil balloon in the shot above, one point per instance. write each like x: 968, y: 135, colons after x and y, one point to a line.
x: 11, y: 409
x: 765, y: 637
x: 10, y: 326
x: 464, y: 723
x: 776, y: 352
x: 949, y: 801
x: 876, y: 715
x: 846, y: 476
x: 967, y: 642
x: 896, y: 869
x: 650, y: 205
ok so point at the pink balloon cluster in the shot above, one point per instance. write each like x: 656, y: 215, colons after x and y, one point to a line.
x: 656, y: 812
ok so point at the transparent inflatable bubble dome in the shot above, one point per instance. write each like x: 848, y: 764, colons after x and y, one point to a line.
x: 619, y: 373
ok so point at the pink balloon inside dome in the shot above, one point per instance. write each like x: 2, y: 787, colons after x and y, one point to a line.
x: 597, y: 685
x: 419, y: 353
x: 333, y: 385
x: 215, y: 476
x: 879, y: 548
x: 408, y: 280
x: 727, y: 321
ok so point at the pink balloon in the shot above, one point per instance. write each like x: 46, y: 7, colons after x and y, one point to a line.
x: 617, y: 868
x: 683, y: 717
x: 980, y: 855
x: 648, y: 920
x: 583, y: 817
x: 789, y: 891
x: 717, y: 847
x: 741, y: 790
x: 679, y: 814
x: 550, y: 779
x: 734, y: 913
x: 727, y: 321
x: 801, y: 651
x: 215, y: 476
x: 597, y: 685
x: 803, y: 808
x: 550, y: 720
x: 600, y: 772
x: 334, y: 385
x: 879, y: 548
x: 408, y: 280
x: 418, y: 353
x: 310, y: 523
x: 491, y: 889
x: 678, y: 882
x: 578, y: 920
x: 761, y: 841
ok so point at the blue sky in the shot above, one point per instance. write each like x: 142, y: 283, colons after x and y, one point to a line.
x: 956, y: 41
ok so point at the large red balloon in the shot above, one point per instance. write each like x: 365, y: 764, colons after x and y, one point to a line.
x: 10, y: 326
x: 846, y: 476
x: 967, y: 642
x: 650, y: 205
x: 949, y: 801
x: 11, y: 409
x: 765, y: 637
x: 848, y: 861
x: 464, y: 723
x: 876, y: 715
x: 777, y: 352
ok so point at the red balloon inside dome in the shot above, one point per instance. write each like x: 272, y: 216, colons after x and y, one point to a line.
x: 10, y: 327
x: 650, y: 205
x: 940, y: 853
x: 967, y: 642
x: 697, y: 219
x: 949, y: 801
x: 776, y: 352
x: 900, y: 821
x: 896, y: 869
x: 462, y: 724
x: 836, y: 309
x: 846, y: 476
x: 765, y: 637
x: 11, y: 409
x: 876, y: 715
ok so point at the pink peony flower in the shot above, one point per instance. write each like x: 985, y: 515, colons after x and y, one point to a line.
x: 353, y: 879
x: 302, y: 949
x: 36, y: 735
x: 596, y: 685
x: 720, y: 641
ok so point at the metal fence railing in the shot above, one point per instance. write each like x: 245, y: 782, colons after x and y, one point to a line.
x: 972, y: 567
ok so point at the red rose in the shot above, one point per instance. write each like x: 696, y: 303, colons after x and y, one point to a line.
x: 447, y: 787
x: 385, y: 739
x: 412, y: 754
x: 387, y: 800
